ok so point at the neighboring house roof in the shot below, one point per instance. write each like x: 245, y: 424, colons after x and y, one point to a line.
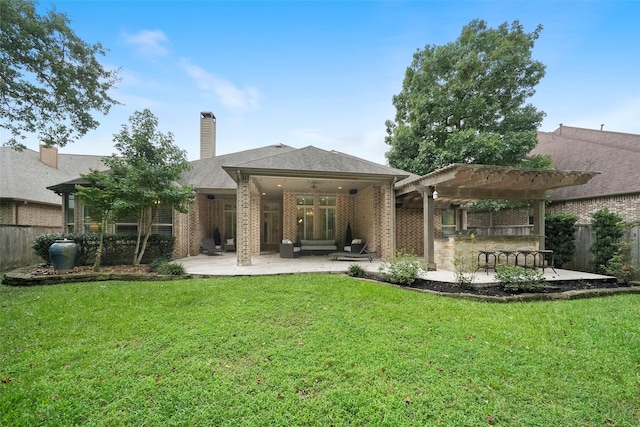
x: 208, y: 173
x: 24, y: 177
x: 615, y: 155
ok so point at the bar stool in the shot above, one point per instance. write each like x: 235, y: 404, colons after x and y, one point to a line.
x: 542, y: 257
x: 527, y: 253
x: 486, y: 255
x: 507, y: 254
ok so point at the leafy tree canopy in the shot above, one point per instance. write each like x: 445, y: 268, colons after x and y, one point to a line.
x: 51, y: 82
x: 148, y: 166
x: 464, y: 102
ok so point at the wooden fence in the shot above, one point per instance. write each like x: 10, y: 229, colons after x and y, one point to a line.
x: 16, y: 242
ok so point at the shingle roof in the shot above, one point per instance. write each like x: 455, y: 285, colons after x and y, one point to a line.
x: 314, y: 161
x: 24, y: 177
x: 208, y: 173
x: 615, y: 155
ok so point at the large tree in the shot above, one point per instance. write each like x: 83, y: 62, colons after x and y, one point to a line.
x: 51, y: 82
x: 465, y: 102
x: 148, y: 166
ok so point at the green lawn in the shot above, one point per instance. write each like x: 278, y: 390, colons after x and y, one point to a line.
x: 311, y: 350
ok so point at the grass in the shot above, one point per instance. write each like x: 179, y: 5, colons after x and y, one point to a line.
x: 311, y: 350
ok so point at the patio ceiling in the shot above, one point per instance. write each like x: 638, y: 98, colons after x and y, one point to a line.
x: 462, y: 183
x: 274, y: 186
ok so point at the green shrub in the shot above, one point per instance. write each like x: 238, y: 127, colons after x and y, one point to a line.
x: 620, y: 264
x: 355, y: 270
x: 171, y: 269
x: 403, y: 269
x: 608, y: 229
x: 118, y: 248
x: 560, y: 233
x: 518, y: 279
x: 156, y: 263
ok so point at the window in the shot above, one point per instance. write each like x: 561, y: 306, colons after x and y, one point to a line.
x: 70, y: 209
x: 304, y: 216
x: 229, y: 218
x: 91, y: 220
x: 327, y: 211
x: 163, y: 222
x: 316, y: 216
x: 270, y: 222
x: 448, y: 222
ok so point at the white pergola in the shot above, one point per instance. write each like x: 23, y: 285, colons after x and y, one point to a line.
x: 463, y: 183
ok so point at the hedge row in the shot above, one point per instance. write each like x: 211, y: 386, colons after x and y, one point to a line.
x: 118, y: 248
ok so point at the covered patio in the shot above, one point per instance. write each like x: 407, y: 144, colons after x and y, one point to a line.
x: 460, y: 184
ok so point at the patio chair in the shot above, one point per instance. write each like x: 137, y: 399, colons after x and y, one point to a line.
x: 363, y: 253
x: 209, y: 247
x: 230, y: 245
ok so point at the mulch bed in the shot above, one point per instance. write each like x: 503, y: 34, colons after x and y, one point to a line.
x: 46, y: 275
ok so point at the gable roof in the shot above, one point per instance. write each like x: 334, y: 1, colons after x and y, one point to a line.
x: 315, y: 162
x: 24, y: 177
x: 615, y: 155
x: 208, y: 173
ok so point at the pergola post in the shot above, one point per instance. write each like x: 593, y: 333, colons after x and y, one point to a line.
x: 538, y: 222
x: 429, y: 226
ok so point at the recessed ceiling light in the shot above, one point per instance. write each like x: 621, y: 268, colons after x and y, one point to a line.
x: 279, y: 185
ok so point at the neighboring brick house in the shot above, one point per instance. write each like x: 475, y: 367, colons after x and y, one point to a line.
x: 24, y: 178
x: 615, y: 155
x: 27, y: 208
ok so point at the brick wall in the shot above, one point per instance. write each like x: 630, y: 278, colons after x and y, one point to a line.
x: 367, y: 203
x: 410, y: 231
x: 37, y: 214
x: 627, y: 206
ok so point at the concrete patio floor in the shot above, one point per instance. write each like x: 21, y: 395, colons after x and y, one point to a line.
x: 270, y: 264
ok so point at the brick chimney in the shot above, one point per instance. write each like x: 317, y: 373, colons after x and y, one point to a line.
x: 207, y: 135
x: 49, y: 156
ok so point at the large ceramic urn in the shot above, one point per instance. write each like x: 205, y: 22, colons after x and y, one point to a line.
x: 62, y: 254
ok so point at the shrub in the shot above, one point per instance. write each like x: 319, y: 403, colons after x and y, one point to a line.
x: 403, y: 269
x: 156, y: 263
x: 355, y: 270
x: 560, y: 232
x: 620, y: 264
x: 517, y: 279
x: 170, y: 269
x: 608, y: 230
x: 118, y: 248
x: 466, y: 266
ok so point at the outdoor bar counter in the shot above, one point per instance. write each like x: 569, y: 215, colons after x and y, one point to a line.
x: 469, y: 246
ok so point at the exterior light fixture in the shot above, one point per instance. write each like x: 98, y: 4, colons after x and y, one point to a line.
x: 435, y: 194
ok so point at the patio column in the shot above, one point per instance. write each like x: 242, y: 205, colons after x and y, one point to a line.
x: 429, y: 226
x: 538, y: 222
x: 243, y: 221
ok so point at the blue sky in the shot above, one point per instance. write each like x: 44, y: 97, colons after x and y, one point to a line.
x: 323, y: 73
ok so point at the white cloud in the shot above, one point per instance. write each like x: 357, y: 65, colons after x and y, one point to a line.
x: 234, y: 98
x: 148, y: 42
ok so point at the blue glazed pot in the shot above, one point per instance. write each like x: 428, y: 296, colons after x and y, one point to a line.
x: 63, y: 254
